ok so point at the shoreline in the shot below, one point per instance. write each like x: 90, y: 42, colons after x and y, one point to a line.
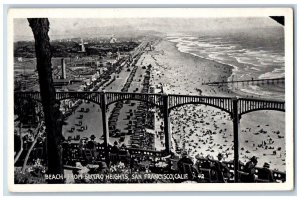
x: 272, y: 92
x: 182, y: 73
x: 205, y: 67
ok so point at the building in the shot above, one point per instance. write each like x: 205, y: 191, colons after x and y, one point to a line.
x: 113, y: 40
x: 81, y: 44
x: 63, y: 69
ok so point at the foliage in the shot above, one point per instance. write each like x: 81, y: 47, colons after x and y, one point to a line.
x: 34, y: 174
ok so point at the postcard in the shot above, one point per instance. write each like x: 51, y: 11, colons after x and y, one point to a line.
x: 150, y: 99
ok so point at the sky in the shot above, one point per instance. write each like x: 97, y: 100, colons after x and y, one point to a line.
x: 74, y: 27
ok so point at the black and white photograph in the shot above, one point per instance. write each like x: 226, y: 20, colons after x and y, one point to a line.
x: 195, y: 99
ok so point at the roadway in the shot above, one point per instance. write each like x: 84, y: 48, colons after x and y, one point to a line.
x: 93, y: 119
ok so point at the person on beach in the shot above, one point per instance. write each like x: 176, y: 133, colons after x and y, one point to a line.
x: 91, y: 145
x: 123, y: 147
x: 115, y: 149
x: 182, y: 164
x: 250, y: 170
x: 265, y: 173
x: 81, y: 146
x: 67, y: 151
x: 221, y: 169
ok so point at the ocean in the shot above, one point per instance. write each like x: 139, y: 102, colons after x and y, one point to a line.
x: 254, y: 54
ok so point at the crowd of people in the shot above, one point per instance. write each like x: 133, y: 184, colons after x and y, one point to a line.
x: 220, y: 172
x: 198, y: 169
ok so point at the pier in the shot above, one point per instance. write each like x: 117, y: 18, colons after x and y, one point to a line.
x: 249, y: 81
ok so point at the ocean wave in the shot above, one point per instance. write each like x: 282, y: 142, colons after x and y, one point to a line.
x: 256, y: 91
x: 189, y: 50
x: 276, y: 73
x: 258, y: 62
x: 247, y: 60
x: 254, y: 68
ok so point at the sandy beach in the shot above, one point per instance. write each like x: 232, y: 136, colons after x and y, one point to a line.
x: 205, y: 130
x: 199, y: 129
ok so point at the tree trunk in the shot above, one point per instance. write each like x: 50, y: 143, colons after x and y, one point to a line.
x: 53, y: 117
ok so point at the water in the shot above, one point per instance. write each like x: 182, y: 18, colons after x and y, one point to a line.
x: 254, y: 54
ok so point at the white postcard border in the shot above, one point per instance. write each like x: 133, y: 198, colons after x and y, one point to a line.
x: 157, y: 12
